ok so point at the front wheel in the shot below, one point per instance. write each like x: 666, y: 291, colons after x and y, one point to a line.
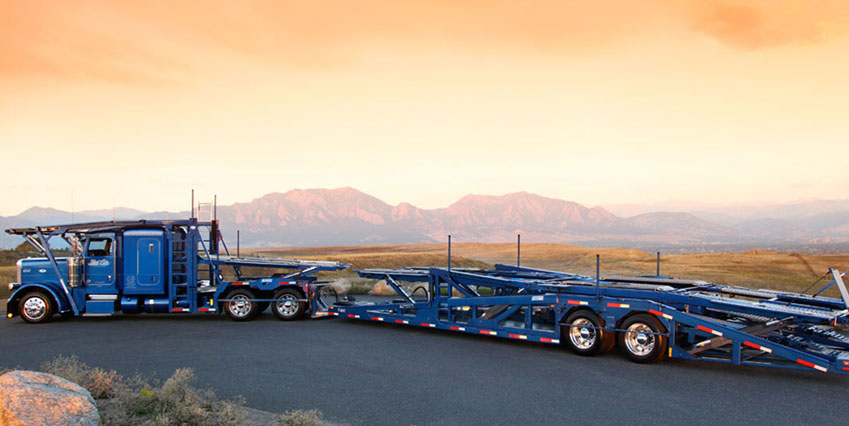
x: 240, y: 306
x: 35, y: 307
x: 287, y: 304
x: 643, y: 341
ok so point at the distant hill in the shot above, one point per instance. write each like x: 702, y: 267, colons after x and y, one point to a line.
x: 312, y: 217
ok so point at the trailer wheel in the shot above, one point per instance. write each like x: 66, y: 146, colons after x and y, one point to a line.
x: 36, y: 307
x: 640, y: 342
x: 287, y: 304
x: 240, y: 307
x: 583, y: 335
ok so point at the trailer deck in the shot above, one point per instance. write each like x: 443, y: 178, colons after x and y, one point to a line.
x: 649, y: 318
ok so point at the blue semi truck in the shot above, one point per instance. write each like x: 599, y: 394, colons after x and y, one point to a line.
x: 155, y: 266
x: 178, y: 267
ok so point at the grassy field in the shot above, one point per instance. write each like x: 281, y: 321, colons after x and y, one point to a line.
x: 756, y: 268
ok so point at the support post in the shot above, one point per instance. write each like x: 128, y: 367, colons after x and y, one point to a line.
x: 449, y: 253
x: 841, y: 287
x: 193, y: 203
x: 49, y: 253
x: 237, y: 243
x: 658, y: 264
x: 518, y: 250
x: 597, y: 270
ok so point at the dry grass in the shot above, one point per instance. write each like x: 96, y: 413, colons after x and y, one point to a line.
x: 7, y: 275
x: 378, y: 259
x: 302, y: 418
x: 132, y: 401
x: 755, y: 268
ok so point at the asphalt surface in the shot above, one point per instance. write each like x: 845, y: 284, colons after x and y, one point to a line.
x: 366, y: 373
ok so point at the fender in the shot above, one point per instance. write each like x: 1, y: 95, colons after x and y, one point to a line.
x: 62, y: 304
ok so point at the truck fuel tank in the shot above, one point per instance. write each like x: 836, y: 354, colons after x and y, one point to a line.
x: 134, y: 305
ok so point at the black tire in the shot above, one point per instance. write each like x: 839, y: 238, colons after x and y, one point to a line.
x: 639, y: 344
x: 287, y: 304
x: 36, y: 307
x: 582, y: 334
x: 240, y: 307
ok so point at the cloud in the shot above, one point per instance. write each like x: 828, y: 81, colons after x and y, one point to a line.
x: 755, y: 24
x: 155, y: 42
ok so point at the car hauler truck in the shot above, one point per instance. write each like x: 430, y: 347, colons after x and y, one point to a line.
x: 166, y: 266
x: 648, y: 318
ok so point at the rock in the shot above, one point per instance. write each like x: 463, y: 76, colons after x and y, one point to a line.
x: 383, y: 289
x: 34, y: 399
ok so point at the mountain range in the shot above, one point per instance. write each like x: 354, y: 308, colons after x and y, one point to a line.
x: 346, y: 216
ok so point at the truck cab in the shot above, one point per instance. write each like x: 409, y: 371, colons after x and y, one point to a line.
x: 151, y: 267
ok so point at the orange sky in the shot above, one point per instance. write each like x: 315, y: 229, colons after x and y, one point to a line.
x: 605, y: 102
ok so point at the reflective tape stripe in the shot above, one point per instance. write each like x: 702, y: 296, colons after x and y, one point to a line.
x: 618, y: 305
x: 705, y: 329
x: 402, y: 321
x: 377, y: 318
x: 576, y: 302
x: 353, y: 316
x: 812, y: 365
x: 457, y: 328
x: 491, y: 333
x: 547, y: 340
x: 206, y: 309
x: 660, y: 314
x: 428, y: 324
x: 179, y: 310
x: 758, y: 347
x: 518, y: 336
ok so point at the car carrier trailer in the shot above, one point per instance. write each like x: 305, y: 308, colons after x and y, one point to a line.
x: 153, y: 266
x: 648, y: 318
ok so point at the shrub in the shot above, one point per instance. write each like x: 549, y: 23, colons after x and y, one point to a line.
x: 99, y: 382
x: 133, y: 401
x: 302, y: 418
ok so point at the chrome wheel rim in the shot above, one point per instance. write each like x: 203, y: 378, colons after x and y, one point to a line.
x: 240, y: 305
x: 35, y: 308
x: 582, y: 333
x: 640, y: 339
x: 287, y: 305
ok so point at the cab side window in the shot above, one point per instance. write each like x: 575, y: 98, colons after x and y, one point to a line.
x: 99, y: 247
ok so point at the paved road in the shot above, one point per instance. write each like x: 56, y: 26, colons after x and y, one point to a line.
x: 382, y: 374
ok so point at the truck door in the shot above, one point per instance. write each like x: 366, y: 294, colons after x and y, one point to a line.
x: 144, y: 262
x: 100, y: 265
